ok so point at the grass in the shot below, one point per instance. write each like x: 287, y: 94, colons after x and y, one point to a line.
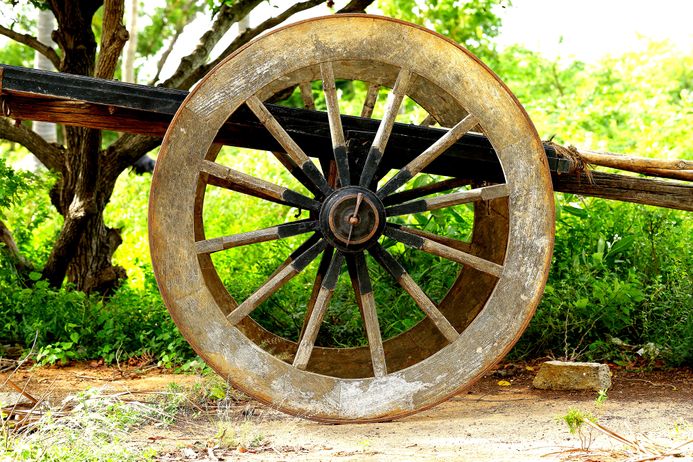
x: 99, y: 425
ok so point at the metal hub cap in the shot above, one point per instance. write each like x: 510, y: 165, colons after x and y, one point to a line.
x: 352, y: 218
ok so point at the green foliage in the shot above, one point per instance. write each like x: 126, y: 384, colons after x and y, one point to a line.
x: 16, y: 54
x: 620, y: 277
x: 13, y: 185
x: 473, y: 23
x: 575, y: 418
x: 636, y: 103
x: 67, y: 325
x: 26, y: 207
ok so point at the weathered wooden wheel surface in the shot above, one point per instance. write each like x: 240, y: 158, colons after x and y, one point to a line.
x: 503, y: 268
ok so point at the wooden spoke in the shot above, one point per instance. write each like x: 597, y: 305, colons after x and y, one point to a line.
x: 336, y: 131
x: 428, y: 156
x: 307, y: 95
x: 351, y: 267
x: 225, y: 177
x: 253, y: 237
x: 394, y: 101
x: 406, y: 237
x: 299, y: 250
x: 327, y: 286
x: 319, y: 276
x: 292, y: 149
x: 370, y: 317
x: 398, y: 272
x: 448, y: 200
x: 448, y: 241
x: 371, y: 98
x: 415, y: 193
x: 275, y: 282
x: 297, y: 173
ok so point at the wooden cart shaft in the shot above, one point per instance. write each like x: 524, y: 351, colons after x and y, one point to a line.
x: 29, y: 94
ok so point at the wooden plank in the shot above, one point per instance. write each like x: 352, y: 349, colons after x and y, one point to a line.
x: 29, y: 94
x: 647, y: 191
x: 217, y: 244
x: 113, y: 93
x: 425, y: 190
x: 398, y: 272
x: 220, y: 175
x: 317, y: 312
x: 370, y: 100
x: 275, y: 282
x: 336, y: 130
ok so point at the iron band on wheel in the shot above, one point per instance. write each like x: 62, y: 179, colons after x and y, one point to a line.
x: 504, y: 267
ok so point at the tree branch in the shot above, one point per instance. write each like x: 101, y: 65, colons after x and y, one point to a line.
x: 113, y: 39
x: 32, y: 42
x: 165, y: 55
x: 228, y: 15
x: 50, y: 155
x: 244, y: 38
x: 356, y: 6
x: 123, y: 152
x: 22, y: 265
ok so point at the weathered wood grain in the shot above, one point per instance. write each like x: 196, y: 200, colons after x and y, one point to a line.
x: 394, y: 101
x: 369, y: 101
x: 624, y: 188
x: 448, y: 200
x: 446, y: 76
x: 336, y: 130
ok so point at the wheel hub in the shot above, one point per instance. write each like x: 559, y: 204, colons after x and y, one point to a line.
x: 352, y: 218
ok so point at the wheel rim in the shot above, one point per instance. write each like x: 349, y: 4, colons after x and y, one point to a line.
x: 181, y: 259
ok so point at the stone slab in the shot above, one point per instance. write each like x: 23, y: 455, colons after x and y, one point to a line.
x: 561, y: 375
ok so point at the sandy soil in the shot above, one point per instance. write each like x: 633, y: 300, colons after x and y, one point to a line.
x: 488, y: 423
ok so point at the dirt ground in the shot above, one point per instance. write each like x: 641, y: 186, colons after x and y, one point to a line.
x: 488, y: 423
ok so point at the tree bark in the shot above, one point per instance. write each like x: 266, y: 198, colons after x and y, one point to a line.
x: 85, y: 245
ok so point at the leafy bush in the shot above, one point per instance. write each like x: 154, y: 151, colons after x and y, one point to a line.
x: 620, y: 281
x: 68, y: 325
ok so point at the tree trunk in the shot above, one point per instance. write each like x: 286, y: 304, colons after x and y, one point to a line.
x: 85, y: 246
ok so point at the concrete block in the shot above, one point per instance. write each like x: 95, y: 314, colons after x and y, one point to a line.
x: 560, y: 375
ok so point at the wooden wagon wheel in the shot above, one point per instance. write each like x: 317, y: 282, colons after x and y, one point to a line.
x: 504, y: 270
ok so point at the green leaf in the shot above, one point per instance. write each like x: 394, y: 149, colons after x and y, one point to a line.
x: 582, y: 213
x: 621, y: 245
x: 34, y: 276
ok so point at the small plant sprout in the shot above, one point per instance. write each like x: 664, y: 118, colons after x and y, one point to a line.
x: 601, y: 397
x: 575, y: 419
